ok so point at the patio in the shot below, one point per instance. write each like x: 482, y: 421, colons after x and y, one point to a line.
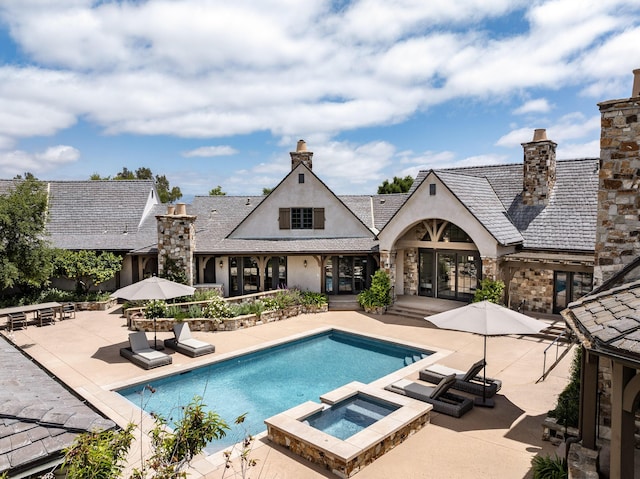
x: 84, y: 353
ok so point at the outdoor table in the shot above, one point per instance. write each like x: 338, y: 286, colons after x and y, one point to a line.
x: 31, y: 308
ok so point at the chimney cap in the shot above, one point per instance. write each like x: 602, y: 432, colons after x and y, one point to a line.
x: 540, y: 134
x: 301, y: 146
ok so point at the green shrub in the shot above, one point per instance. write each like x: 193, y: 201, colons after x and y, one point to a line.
x: 309, y: 298
x: 379, y: 294
x: 567, y: 408
x: 284, y: 298
x: 195, y: 311
x: 547, y: 467
x: 490, y: 290
x: 217, y: 308
x: 156, y: 308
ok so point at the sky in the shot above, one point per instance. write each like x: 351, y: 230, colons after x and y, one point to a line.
x: 217, y: 93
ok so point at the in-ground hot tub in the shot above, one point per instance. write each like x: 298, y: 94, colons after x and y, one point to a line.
x: 351, y: 415
x: 370, y: 420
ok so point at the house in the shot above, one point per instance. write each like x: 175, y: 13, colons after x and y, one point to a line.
x: 532, y: 224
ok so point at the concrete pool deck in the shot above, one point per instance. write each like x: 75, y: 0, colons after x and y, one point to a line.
x: 84, y: 353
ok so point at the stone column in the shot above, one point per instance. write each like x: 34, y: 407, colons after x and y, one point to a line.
x: 176, y: 243
x: 618, y: 224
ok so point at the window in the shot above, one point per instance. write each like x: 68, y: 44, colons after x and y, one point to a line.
x: 301, y: 218
x: 301, y: 178
x: 432, y: 189
x: 569, y: 287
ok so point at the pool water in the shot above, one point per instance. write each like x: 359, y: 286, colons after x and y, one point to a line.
x: 272, y: 380
x: 348, y: 417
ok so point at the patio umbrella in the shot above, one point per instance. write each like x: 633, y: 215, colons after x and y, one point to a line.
x: 488, y: 319
x: 153, y: 288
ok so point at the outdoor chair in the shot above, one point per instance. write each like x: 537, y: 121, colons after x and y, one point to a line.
x: 470, y: 381
x: 438, y: 396
x: 140, y: 354
x: 68, y: 311
x: 184, y: 343
x: 17, y: 321
x: 46, y: 316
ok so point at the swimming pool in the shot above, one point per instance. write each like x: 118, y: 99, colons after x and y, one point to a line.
x: 271, y: 380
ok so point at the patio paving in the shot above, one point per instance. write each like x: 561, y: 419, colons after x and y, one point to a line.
x: 84, y: 353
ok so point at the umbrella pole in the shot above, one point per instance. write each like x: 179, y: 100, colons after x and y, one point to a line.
x: 155, y: 338
x: 485, y: 402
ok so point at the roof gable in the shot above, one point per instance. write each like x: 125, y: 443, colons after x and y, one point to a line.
x: 301, y: 188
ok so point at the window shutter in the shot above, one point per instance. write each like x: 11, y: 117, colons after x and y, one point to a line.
x: 318, y: 218
x: 285, y: 218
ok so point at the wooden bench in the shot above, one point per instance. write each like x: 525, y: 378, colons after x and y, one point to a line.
x: 46, y: 316
x: 17, y: 321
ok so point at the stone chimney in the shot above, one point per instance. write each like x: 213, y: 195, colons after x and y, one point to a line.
x: 176, y: 243
x: 539, y: 169
x: 618, y: 225
x: 301, y: 155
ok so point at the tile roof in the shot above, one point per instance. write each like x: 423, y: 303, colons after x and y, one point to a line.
x: 477, y: 194
x: 38, y: 416
x: 97, y: 214
x: 568, y: 222
x: 609, y: 321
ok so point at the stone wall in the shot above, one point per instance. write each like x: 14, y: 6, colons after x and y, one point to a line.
x: 337, y: 465
x: 490, y: 269
x: 618, y: 226
x: 176, y: 245
x: 535, y: 286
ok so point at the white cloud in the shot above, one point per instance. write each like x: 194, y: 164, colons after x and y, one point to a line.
x: 210, y: 151
x: 540, y: 105
x: 18, y: 161
x: 568, y: 127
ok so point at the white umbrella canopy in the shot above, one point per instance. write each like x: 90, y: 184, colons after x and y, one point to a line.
x: 153, y: 288
x: 488, y: 319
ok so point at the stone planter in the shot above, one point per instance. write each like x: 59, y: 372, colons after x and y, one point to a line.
x: 96, y: 305
x: 375, y: 309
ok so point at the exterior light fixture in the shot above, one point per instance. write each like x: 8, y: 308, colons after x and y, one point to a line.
x: 305, y: 263
x: 221, y: 264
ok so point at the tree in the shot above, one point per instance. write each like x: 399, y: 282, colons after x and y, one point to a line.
x: 25, y: 255
x: 217, y: 191
x: 165, y: 194
x: 266, y: 191
x: 398, y: 185
x: 87, y: 268
x: 489, y: 290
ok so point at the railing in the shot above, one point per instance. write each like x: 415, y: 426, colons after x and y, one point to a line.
x: 555, y: 342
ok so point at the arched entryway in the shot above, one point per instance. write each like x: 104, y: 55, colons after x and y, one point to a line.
x: 447, y: 262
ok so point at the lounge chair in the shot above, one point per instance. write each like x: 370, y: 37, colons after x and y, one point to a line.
x: 438, y: 396
x: 470, y: 382
x: 184, y: 343
x: 141, y: 354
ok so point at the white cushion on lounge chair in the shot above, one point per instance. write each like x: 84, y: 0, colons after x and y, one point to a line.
x: 150, y: 353
x: 444, y: 370
x: 193, y: 343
